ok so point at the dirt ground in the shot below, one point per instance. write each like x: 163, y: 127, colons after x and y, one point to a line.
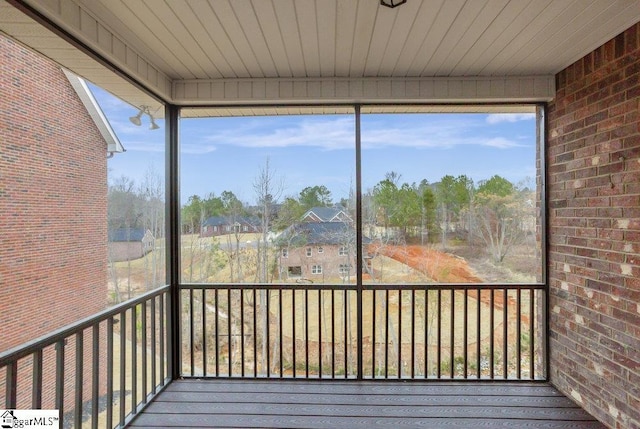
x: 441, y: 267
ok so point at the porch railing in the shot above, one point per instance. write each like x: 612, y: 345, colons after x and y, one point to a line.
x: 98, y: 372
x: 381, y: 332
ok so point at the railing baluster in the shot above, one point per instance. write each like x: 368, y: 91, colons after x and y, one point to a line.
x: 79, y: 378
x: 439, y: 340
x: 163, y: 312
x: 59, y: 401
x: 191, y: 334
x: 95, y: 375
x: 242, y: 357
x: 399, y: 354
x: 386, y: 334
x: 216, y: 316
x: 426, y: 332
x: 255, y: 335
x: 280, y: 327
x: 373, y: 333
x: 320, y: 311
x: 345, y: 301
x: 333, y: 334
x: 134, y: 359
x: 293, y: 321
x: 153, y: 345
x: 205, y: 343
x: 143, y: 341
x: 452, y: 342
x: 229, y: 323
x: 478, y: 332
x: 532, y: 336
x: 505, y: 335
x: 110, y: 364
x: 518, y: 333
x: 465, y: 333
x: 123, y: 373
x: 11, y: 388
x: 267, y: 330
x: 413, y: 333
x: 36, y: 389
x: 492, y: 311
x: 306, y: 332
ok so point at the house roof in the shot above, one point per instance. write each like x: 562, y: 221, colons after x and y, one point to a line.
x: 93, y: 108
x: 267, y: 53
x: 230, y: 220
x: 320, y: 233
x: 325, y: 214
x: 126, y: 234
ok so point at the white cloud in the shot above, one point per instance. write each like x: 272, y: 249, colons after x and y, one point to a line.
x: 497, y: 118
x: 335, y: 133
x: 501, y: 143
x: 329, y: 134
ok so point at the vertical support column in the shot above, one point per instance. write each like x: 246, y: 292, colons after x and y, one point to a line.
x: 541, y: 138
x: 172, y: 195
x: 359, y: 250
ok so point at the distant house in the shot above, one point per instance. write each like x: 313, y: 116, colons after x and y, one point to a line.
x: 126, y: 244
x: 326, y: 214
x: 221, y: 225
x: 318, y: 251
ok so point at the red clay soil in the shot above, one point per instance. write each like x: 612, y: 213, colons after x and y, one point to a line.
x: 439, y: 266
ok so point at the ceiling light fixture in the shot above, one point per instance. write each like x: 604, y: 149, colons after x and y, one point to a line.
x: 153, y: 125
x: 135, y: 120
x: 144, y: 110
x: 392, y: 3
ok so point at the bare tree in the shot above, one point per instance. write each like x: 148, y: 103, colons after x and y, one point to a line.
x: 268, y: 188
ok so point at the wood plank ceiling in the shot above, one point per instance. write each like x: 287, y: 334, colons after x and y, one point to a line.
x: 197, y: 52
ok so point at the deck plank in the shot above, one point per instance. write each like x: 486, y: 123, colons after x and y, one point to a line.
x: 353, y: 405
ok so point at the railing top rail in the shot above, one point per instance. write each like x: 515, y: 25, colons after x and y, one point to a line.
x: 30, y: 347
x: 353, y: 286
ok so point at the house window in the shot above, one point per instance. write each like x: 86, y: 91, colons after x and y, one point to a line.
x: 295, y: 271
x: 344, y: 268
x: 245, y: 228
x: 320, y: 249
x: 308, y: 251
x: 342, y: 251
x: 285, y: 253
x: 316, y: 269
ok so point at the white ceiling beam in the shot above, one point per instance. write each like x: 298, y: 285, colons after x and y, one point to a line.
x: 516, y: 89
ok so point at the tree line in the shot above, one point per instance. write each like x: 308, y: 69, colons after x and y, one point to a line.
x: 494, y: 212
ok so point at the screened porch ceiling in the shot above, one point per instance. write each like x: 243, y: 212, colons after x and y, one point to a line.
x: 268, y: 53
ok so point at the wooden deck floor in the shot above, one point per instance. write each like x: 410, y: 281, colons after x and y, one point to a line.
x: 355, y: 405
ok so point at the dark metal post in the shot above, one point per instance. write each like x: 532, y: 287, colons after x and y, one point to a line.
x: 541, y: 137
x: 172, y: 193
x: 359, y: 250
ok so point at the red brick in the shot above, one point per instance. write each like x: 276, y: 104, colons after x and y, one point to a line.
x: 603, y: 280
x: 53, y: 237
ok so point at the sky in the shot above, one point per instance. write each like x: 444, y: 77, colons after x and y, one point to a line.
x: 228, y: 154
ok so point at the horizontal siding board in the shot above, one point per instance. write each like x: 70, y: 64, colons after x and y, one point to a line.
x: 454, y: 90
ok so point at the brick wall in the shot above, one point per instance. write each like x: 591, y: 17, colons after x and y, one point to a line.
x: 593, y: 160
x: 53, y: 235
